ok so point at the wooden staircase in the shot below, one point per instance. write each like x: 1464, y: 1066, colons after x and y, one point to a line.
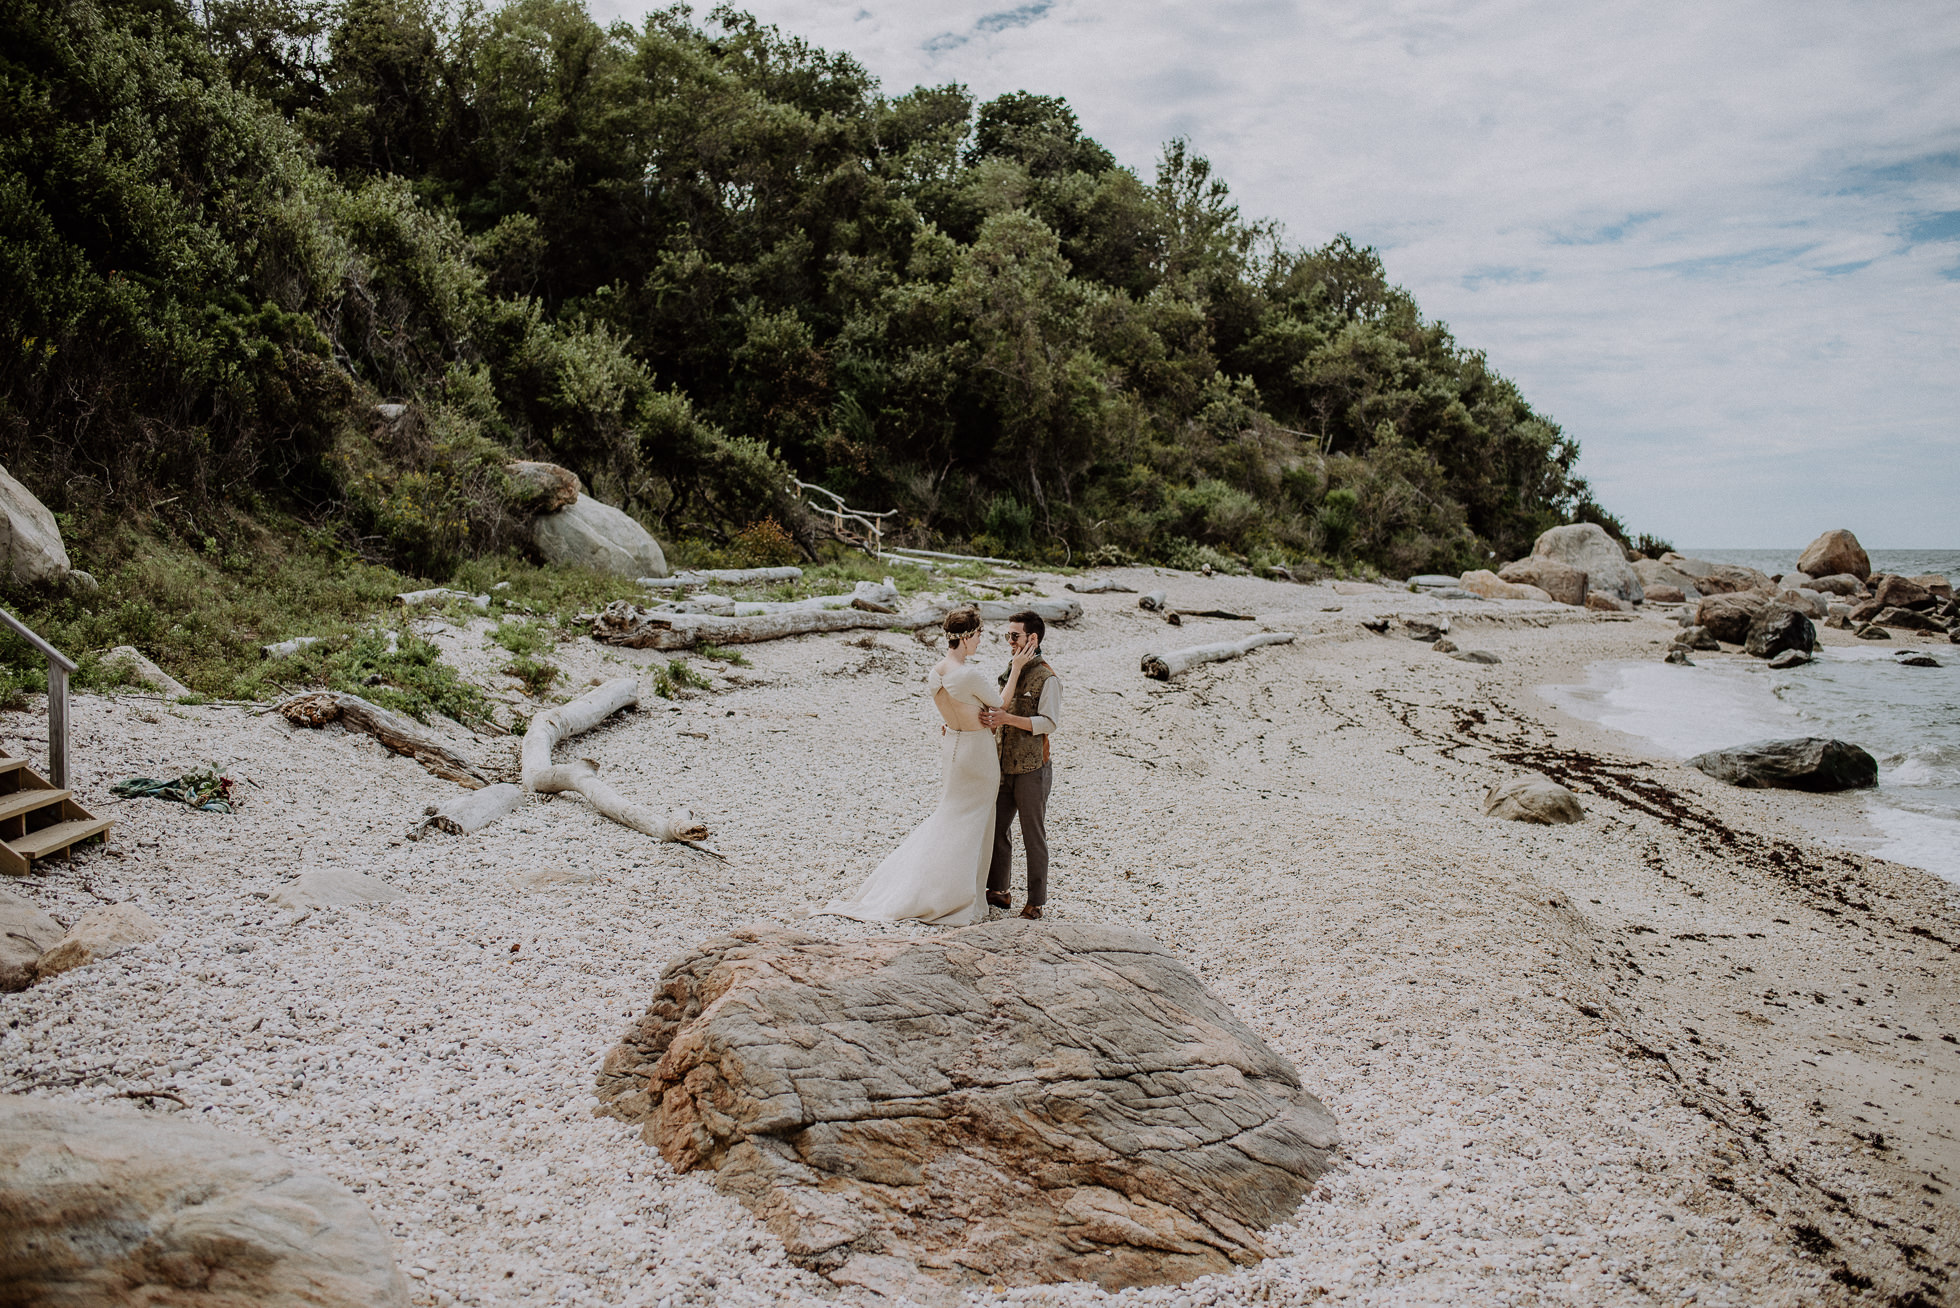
x: 39, y: 819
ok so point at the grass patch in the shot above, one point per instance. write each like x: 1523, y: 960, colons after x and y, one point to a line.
x: 201, y: 612
x: 721, y: 655
x: 675, y: 677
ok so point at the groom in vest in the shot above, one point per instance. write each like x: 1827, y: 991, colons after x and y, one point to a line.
x: 1025, y: 775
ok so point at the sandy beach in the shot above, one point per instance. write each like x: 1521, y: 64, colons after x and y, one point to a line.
x: 1689, y: 1051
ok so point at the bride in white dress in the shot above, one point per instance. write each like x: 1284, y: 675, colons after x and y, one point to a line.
x: 939, y: 873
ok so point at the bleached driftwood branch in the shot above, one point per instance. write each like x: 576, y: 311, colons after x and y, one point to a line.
x: 1058, y: 611
x: 721, y: 577
x: 1100, y: 586
x: 540, y: 774
x: 1178, y: 661
x: 413, y: 599
x: 1152, y: 602
x: 624, y: 623
x: 317, y: 708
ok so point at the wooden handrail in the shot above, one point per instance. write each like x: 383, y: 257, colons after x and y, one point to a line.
x: 59, y: 666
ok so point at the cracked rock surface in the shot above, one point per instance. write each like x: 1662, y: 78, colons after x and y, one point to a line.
x: 1010, y: 1103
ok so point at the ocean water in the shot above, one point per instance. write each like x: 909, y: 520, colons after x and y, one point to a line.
x: 1907, y: 718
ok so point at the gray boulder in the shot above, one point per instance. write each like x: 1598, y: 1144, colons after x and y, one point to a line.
x: 31, y: 552
x: 1697, y: 637
x: 26, y: 933
x: 1835, y: 552
x: 1778, y: 627
x: 1587, y: 547
x: 1427, y: 628
x: 1909, y: 620
x: 1872, y: 631
x: 1807, y: 763
x: 1653, y: 573
x: 588, y: 534
x: 1841, y: 583
x: 1789, y: 658
x: 1903, y: 593
x: 1564, y: 583
x: 1533, y: 799
x: 1915, y: 659
x: 1678, y: 656
x: 115, y: 1209
x: 1728, y: 617
x: 1007, y: 1104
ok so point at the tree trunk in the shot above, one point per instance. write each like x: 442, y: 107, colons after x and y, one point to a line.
x: 549, y: 729
x: 1178, y: 661
x: 404, y: 737
x: 624, y: 623
x: 721, y: 576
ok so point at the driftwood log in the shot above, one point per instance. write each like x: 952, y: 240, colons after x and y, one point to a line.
x: 415, y: 599
x: 1100, y: 586
x: 1153, y: 602
x: 722, y: 577
x: 404, y: 737
x: 625, y: 623
x: 1178, y: 661
x: 1058, y: 611
x: 549, y: 729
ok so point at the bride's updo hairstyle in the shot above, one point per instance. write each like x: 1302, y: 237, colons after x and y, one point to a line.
x: 961, y: 623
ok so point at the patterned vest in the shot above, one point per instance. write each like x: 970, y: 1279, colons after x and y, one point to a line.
x: 1023, y: 751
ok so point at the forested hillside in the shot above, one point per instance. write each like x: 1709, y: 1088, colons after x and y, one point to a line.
x: 687, y: 260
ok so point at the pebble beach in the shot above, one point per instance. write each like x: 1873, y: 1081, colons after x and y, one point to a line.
x: 1700, y: 1048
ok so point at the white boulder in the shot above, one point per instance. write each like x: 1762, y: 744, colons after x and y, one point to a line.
x: 31, y: 551
x: 588, y: 534
x: 1587, y: 547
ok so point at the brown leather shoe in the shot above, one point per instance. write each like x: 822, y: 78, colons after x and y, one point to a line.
x: 1032, y: 912
x: 999, y: 900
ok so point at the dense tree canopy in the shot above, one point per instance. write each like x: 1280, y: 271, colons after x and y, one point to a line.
x: 687, y: 260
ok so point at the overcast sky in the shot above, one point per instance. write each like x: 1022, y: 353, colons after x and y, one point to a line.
x: 1719, y: 243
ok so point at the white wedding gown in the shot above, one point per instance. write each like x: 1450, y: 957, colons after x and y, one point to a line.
x: 939, y: 873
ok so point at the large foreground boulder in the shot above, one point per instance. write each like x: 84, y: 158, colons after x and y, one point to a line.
x: 1778, y: 627
x: 1834, y: 552
x: 1728, y: 617
x: 588, y: 534
x: 31, y: 552
x: 1533, y: 799
x: 1806, y: 763
x: 112, y: 1208
x: 1587, y: 547
x: 1561, y: 581
x: 26, y: 933
x: 1006, y: 1104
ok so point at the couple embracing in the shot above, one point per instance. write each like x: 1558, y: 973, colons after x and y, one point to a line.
x: 957, y: 862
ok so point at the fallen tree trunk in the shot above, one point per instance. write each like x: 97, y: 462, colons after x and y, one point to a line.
x: 1153, y: 602
x: 415, y: 599
x: 540, y: 774
x: 468, y: 814
x: 1100, y: 586
x: 404, y: 737
x: 721, y: 576
x: 1057, y: 611
x: 625, y: 623
x: 1178, y: 661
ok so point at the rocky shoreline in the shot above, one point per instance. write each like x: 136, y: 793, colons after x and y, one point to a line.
x: 1672, y: 1052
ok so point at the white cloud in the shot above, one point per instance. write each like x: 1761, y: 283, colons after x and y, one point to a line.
x: 1718, y: 243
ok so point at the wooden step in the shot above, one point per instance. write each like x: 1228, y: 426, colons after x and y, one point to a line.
x: 26, y: 801
x: 50, y: 840
x: 11, y: 764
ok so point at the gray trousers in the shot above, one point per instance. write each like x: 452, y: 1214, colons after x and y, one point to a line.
x: 1025, y: 793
